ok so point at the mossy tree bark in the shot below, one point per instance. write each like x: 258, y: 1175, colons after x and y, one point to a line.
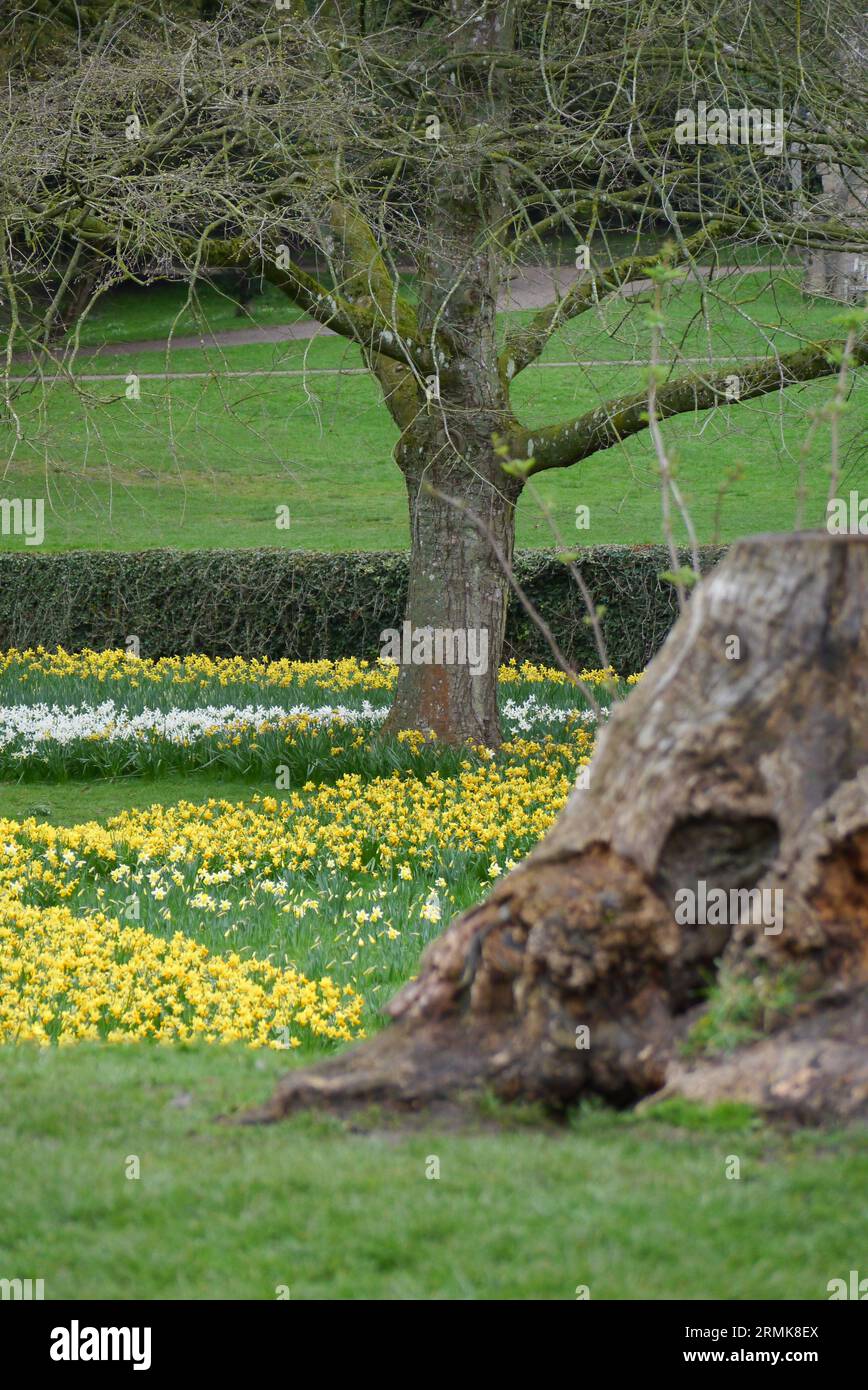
x: 739, y: 762
x: 459, y: 497
x: 458, y: 588
x: 453, y: 139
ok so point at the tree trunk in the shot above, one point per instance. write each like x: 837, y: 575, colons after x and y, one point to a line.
x: 739, y: 762
x: 841, y: 275
x: 70, y: 301
x: 458, y: 592
x: 460, y: 498
x: 247, y: 287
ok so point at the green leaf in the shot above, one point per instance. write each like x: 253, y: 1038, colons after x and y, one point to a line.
x: 663, y: 274
x: 517, y: 468
x: 684, y: 576
x: 855, y: 317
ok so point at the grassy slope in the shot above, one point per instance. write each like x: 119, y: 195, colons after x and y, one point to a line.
x: 632, y: 1208
x: 227, y: 1212
x: 206, y: 462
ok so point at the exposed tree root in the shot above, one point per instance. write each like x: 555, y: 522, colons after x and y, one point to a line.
x: 576, y: 976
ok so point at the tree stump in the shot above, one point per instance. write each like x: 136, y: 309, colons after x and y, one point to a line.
x: 739, y: 763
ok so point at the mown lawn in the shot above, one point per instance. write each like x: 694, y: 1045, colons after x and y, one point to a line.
x: 206, y: 462
x: 631, y: 1207
x: 70, y: 803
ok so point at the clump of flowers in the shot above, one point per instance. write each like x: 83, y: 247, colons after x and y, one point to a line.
x: 255, y: 920
x: 65, y: 978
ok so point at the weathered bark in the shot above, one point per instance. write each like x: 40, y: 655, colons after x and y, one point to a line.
x: 739, y: 767
x: 460, y: 499
x: 458, y: 590
x: 448, y: 136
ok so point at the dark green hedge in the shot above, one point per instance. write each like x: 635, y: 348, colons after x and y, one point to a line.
x: 305, y: 604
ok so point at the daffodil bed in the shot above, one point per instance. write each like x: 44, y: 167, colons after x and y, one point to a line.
x: 284, y: 919
x: 108, y: 714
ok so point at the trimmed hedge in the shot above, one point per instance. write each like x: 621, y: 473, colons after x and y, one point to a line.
x: 307, y: 604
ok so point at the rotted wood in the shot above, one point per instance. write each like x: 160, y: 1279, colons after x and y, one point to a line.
x: 740, y: 761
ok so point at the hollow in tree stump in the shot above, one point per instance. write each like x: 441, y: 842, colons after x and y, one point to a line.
x: 739, y: 763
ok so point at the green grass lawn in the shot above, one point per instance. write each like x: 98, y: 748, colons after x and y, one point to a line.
x: 631, y: 1207
x: 70, y: 803
x: 206, y: 462
x: 159, y: 310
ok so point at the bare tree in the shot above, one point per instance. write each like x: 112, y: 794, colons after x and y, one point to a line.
x: 451, y: 137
